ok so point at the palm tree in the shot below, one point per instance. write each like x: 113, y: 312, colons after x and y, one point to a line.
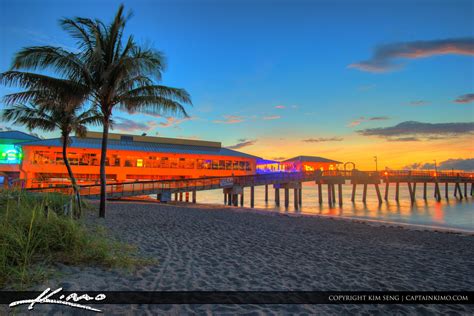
x: 49, y: 114
x: 115, y: 72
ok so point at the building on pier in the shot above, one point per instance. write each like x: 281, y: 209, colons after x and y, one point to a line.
x: 309, y: 163
x: 33, y: 162
x: 39, y: 162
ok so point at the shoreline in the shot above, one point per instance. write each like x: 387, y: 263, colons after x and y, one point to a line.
x: 269, y: 212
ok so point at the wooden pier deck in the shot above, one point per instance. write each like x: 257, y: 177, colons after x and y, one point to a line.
x: 233, y: 187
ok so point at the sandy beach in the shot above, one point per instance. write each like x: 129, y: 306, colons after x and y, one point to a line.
x: 216, y: 248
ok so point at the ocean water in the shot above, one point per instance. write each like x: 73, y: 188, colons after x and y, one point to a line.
x: 452, y: 213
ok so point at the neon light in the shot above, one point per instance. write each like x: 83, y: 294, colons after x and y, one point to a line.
x: 10, y: 154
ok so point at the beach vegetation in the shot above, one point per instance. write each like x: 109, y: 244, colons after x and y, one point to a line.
x: 37, y: 231
x: 49, y: 111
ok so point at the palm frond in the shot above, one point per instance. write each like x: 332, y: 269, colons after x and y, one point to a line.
x: 152, y: 105
x: 59, y: 60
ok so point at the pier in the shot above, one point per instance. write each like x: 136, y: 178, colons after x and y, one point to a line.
x: 185, y: 190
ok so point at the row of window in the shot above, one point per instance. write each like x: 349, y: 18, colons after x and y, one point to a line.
x: 86, y: 159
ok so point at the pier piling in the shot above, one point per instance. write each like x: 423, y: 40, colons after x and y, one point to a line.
x: 397, y: 191
x: 333, y: 190
x: 242, y: 198
x: 194, y: 196
x: 353, y: 192
x: 329, y: 195
x: 252, y: 196
x: 320, y: 193
x: 295, y: 198
x: 364, y: 193
x: 300, y: 194
x: 287, y: 197
x: 446, y: 190
x: 386, y: 191
x: 339, y: 188
x: 377, y: 189
x: 266, y: 192
x: 410, y: 190
x: 437, y: 192
x: 465, y: 190
x: 277, y: 197
x: 424, y: 190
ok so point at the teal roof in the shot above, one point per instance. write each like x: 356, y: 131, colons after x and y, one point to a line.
x: 311, y: 159
x: 17, y: 136
x: 95, y: 143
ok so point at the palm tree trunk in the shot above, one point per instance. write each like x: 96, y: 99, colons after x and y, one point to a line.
x: 103, y: 156
x: 71, y: 175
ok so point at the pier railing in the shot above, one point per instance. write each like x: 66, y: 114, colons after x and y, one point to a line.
x: 123, y: 189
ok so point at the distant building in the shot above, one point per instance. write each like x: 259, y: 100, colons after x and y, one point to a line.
x: 309, y: 163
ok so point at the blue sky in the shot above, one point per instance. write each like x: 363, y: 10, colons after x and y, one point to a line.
x: 270, y: 74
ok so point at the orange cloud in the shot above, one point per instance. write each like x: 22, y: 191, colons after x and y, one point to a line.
x: 383, y: 56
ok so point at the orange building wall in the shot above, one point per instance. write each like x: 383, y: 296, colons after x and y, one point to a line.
x: 32, y: 172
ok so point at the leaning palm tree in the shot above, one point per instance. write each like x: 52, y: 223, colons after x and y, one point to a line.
x: 47, y: 115
x: 117, y: 73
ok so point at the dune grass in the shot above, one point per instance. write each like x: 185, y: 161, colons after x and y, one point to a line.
x: 35, y: 232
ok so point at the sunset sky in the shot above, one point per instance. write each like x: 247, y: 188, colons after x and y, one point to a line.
x: 345, y: 80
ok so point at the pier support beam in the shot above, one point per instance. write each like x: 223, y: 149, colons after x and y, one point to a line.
x: 277, y: 197
x: 176, y: 196
x: 181, y: 196
x: 320, y: 192
x: 424, y: 191
x: 459, y: 190
x: 266, y: 192
x: 364, y: 193
x: 225, y: 198
x: 339, y: 188
x: 295, y: 198
x: 465, y: 190
x: 235, y: 198
x: 333, y: 194
x: 287, y: 197
x: 242, y: 198
x: 354, y: 186
x: 379, y: 196
x: 410, y: 190
x: 300, y: 194
x: 329, y: 195
x: 252, y: 196
x: 194, y: 196
x: 437, y: 192
x: 387, y: 185
x: 397, y: 191
x: 446, y: 190
x: 414, y: 191
x: 187, y: 197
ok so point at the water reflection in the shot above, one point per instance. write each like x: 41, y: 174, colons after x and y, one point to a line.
x: 452, y: 213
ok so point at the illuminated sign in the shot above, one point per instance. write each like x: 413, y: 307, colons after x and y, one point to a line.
x: 9, y: 154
